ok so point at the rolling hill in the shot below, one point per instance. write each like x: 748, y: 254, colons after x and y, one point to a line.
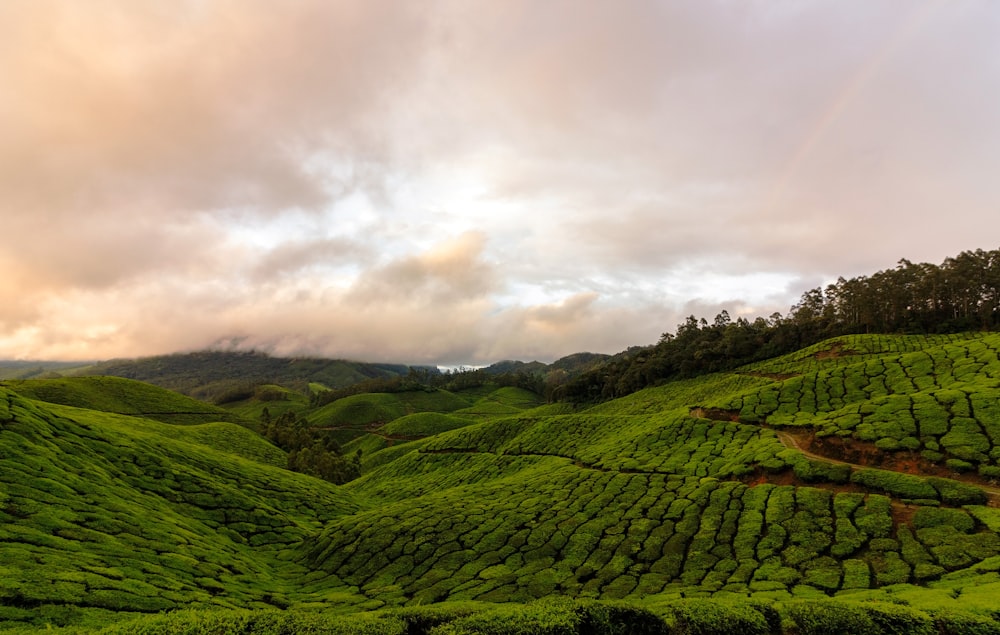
x: 214, y: 374
x: 847, y: 487
x: 121, y: 396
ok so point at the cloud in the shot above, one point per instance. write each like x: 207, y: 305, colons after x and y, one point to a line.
x: 195, y: 106
x: 461, y: 184
x: 298, y: 257
x: 562, y: 314
x: 452, y: 272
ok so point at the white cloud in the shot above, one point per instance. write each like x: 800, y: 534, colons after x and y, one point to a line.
x: 453, y: 184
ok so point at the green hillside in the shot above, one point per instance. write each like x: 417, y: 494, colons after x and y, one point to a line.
x: 121, y: 396
x: 275, y: 399
x: 220, y: 375
x: 19, y: 369
x: 113, y: 513
x: 847, y: 487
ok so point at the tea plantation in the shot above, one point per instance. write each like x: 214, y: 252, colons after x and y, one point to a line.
x: 848, y: 487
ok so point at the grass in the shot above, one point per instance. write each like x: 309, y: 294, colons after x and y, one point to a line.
x: 483, y: 511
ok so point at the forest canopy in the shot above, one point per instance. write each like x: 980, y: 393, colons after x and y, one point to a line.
x: 960, y: 294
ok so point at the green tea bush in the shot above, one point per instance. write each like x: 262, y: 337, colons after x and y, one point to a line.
x: 938, y: 516
x: 824, y: 573
x: 857, y: 574
x: 420, y: 619
x: 830, y: 618
x: 873, y: 518
x: 708, y: 617
x: 243, y: 622
x: 956, y: 493
x: 893, y: 619
x: 895, y: 483
x: 953, y: 622
x: 541, y: 618
x: 612, y: 618
x: 889, y: 568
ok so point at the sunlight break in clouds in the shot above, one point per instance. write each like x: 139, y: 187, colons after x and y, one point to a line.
x: 455, y: 183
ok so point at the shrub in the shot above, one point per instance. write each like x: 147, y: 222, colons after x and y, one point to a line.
x: 989, y: 471
x: 913, y: 552
x: 847, y: 538
x: 823, y: 572
x: 889, y: 568
x: 556, y: 616
x: 955, y: 493
x: 958, y: 465
x: 895, y: 483
x: 713, y: 617
x: 966, y: 432
x: 830, y: 618
x: 873, y: 518
x: 611, y: 618
x: 244, y: 622
x: 951, y: 622
x: 856, y: 575
x: 900, y: 620
x: 943, y: 516
x: 887, y: 444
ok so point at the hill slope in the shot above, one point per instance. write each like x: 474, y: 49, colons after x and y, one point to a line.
x: 211, y: 374
x: 108, y: 512
x: 121, y: 396
x: 696, y: 488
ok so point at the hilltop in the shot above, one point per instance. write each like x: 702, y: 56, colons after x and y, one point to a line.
x: 848, y: 482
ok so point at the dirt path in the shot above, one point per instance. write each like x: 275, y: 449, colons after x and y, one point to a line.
x: 794, y: 442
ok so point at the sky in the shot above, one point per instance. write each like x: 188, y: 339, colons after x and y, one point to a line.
x: 462, y: 181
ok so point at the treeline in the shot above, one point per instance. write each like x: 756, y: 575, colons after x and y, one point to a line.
x: 310, y: 451
x: 465, y: 379
x: 696, y: 349
x: 961, y: 294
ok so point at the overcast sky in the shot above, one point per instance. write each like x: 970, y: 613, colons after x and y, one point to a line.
x: 460, y: 182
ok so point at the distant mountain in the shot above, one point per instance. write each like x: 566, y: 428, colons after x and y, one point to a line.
x: 211, y: 374
x: 579, y: 362
x: 33, y: 369
x: 570, y: 365
x: 515, y: 366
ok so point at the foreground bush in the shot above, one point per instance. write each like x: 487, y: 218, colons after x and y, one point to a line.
x: 563, y: 616
x: 240, y: 622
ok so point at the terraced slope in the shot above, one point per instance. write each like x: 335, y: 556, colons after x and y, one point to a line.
x: 106, y: 512
x: 122, y: 396
x: 639, y: 497
x: 353, y: 417
x: 687, y: 490
x: 890, y: 402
